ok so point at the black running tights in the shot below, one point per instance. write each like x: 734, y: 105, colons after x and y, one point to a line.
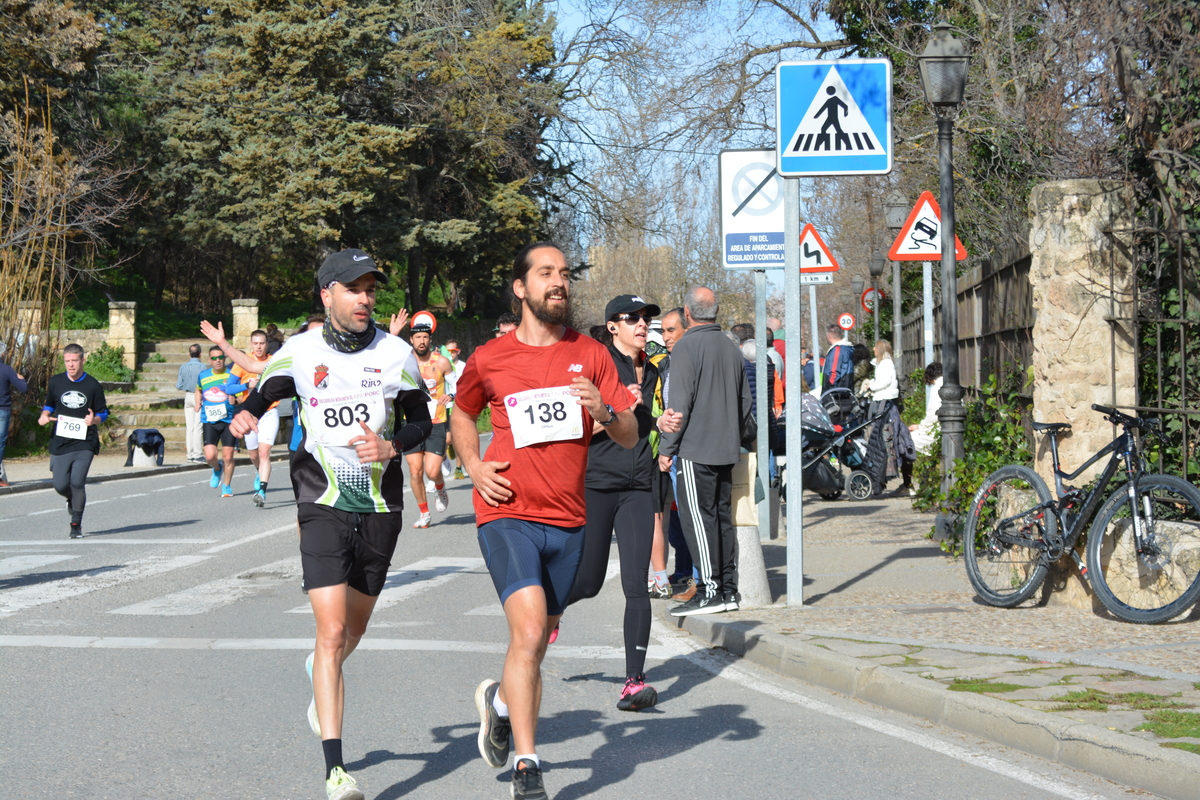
x: 631, y: 514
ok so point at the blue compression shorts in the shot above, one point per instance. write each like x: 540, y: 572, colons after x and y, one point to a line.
x: 521, y: 553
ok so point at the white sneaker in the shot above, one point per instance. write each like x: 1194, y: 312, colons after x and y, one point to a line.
x: 446, y: 470
x: 441, y: 500
x: 423, y: 520
x: 429, y: 487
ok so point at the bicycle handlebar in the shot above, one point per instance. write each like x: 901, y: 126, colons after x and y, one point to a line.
x: 1118, y: 418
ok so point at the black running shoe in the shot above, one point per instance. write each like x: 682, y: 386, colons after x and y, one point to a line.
x: 733, y: 601
x: 76, y: 530
x: 494, y: 730
x: 527, y: 781
x: 700, y: 604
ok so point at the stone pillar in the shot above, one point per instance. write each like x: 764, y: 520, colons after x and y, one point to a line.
x: 122, y: 330
x: 1082, y: 281
x: 29, y: 317
x: 245, y: 322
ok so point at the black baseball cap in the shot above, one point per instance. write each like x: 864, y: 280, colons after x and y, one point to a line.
x: 628, y: 303
x: 346, y: 266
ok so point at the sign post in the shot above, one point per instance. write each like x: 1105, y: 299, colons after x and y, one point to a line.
x: 752, y: 237
x: 831, y: 118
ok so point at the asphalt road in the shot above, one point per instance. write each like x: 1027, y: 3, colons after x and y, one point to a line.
x: 162, y: 656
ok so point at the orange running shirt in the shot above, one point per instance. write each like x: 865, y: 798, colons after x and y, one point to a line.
x: 547, y: 478
x: 435, y: 382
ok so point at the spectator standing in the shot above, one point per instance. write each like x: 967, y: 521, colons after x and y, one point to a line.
x: 274, y: 338
x: 10, y: 381
x: 862, y: 367
x: 507, y: 323
x: 667, y: 527
x: 884, y: 386
x: 708, y: 387
x: 838, y: 370
x: 775, y: 326
x: 773, y: 354
x: 189, y: 371
x: 923, y: 431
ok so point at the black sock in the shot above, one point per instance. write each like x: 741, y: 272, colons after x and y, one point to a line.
x: 333, y: 755
x: 262, y: 486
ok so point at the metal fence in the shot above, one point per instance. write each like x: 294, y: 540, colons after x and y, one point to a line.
x: 1166, y: 317
x: 995, y: 324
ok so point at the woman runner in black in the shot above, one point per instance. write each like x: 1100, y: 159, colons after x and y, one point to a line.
x: 619, y: 495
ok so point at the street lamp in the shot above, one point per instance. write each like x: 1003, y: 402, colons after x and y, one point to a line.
x: 895, y: 209
x: 876, y: 264
x: 856, y: 289
x: 943, y: 67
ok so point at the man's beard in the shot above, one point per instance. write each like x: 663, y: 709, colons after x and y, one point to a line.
x: 551, y: 315
x: 421, y: 349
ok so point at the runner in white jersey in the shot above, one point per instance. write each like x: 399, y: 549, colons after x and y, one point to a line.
x: 353, y: 381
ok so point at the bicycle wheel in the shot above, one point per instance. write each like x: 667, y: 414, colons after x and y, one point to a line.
x: 1003, y: 538
x: 1161, y: 578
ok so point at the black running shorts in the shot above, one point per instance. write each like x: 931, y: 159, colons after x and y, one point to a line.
x: 343, y: 547
x: 435, y: 444
x: 521, y: 553
x: 218, y: 433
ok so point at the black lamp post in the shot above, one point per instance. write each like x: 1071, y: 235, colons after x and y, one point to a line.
x: 875, y: 264
x: 895, y: 209
x: 943, y: 67
x: 856, y: 289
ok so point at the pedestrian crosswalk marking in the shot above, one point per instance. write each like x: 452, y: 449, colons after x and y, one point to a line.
x: 418, y: 577
x: 15, y: 564
x: 833, y: 124
x: 213, y: 595
x: 583, y: 652
x: 27, y: 597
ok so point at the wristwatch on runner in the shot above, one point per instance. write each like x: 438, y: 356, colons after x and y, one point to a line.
x: 611, y: 416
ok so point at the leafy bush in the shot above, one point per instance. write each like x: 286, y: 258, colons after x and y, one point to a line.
x: 84, y: 314
x: 994, y: 435
x: 156, y: 358
x: 105, y: 364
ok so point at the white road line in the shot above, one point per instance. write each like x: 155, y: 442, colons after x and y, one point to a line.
x: 698, y: 654
x: 418, y: 577
x: 86, y: 540
x: 127, y: 496
x: 29, y: 596
x: 490, y: 610
x: 254, y: 537
x: 612, y: 570
x: 169, y: 488
x: 47, y: 511
x: 413, y: 645
x: 212, y: 595
x: 14, y: 564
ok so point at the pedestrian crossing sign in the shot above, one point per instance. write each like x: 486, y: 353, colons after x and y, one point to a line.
x: 834, y: 117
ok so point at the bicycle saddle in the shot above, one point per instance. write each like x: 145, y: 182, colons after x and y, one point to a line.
x: 1051, y: 427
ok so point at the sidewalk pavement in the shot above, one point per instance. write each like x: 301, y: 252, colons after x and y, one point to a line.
x: 29, y: 474
x: 890, y: 619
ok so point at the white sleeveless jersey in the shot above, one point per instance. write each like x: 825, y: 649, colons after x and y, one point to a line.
x: 339, y: 393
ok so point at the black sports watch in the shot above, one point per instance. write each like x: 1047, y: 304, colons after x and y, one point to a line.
x: 611, y: 416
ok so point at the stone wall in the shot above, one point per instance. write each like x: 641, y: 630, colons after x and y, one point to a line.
x: 1082, y: 284
x: 89, y: 340
x: 245, y: 322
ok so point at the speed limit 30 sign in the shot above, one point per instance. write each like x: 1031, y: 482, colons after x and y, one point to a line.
x: 846, y: 321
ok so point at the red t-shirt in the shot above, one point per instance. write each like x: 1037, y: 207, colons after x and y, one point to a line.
x: 547, y: 478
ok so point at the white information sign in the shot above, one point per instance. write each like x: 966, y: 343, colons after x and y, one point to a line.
x: 751, y: 210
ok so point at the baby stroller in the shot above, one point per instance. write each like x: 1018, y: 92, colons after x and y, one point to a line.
x: 848, y: 413
x: 827, y: 453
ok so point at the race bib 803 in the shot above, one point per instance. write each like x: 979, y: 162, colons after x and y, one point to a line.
x: 334, y: 421
x: 544, y: 415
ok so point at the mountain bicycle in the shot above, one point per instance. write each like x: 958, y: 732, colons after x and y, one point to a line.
x: 1143, y: 549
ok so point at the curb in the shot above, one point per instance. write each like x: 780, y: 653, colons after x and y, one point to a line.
x: 1090, y: 748
x: 48, y: 483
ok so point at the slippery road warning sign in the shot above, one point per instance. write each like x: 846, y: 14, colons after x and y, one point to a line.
x: 921, y: 237
x: 834, y: 117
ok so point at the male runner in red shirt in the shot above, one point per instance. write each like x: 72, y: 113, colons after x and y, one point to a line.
x: 545, y: 384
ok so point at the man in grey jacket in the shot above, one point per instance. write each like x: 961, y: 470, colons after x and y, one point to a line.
x: 708, y: 387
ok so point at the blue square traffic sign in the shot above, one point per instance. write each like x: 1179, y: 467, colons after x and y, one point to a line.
x: 834, y: 117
